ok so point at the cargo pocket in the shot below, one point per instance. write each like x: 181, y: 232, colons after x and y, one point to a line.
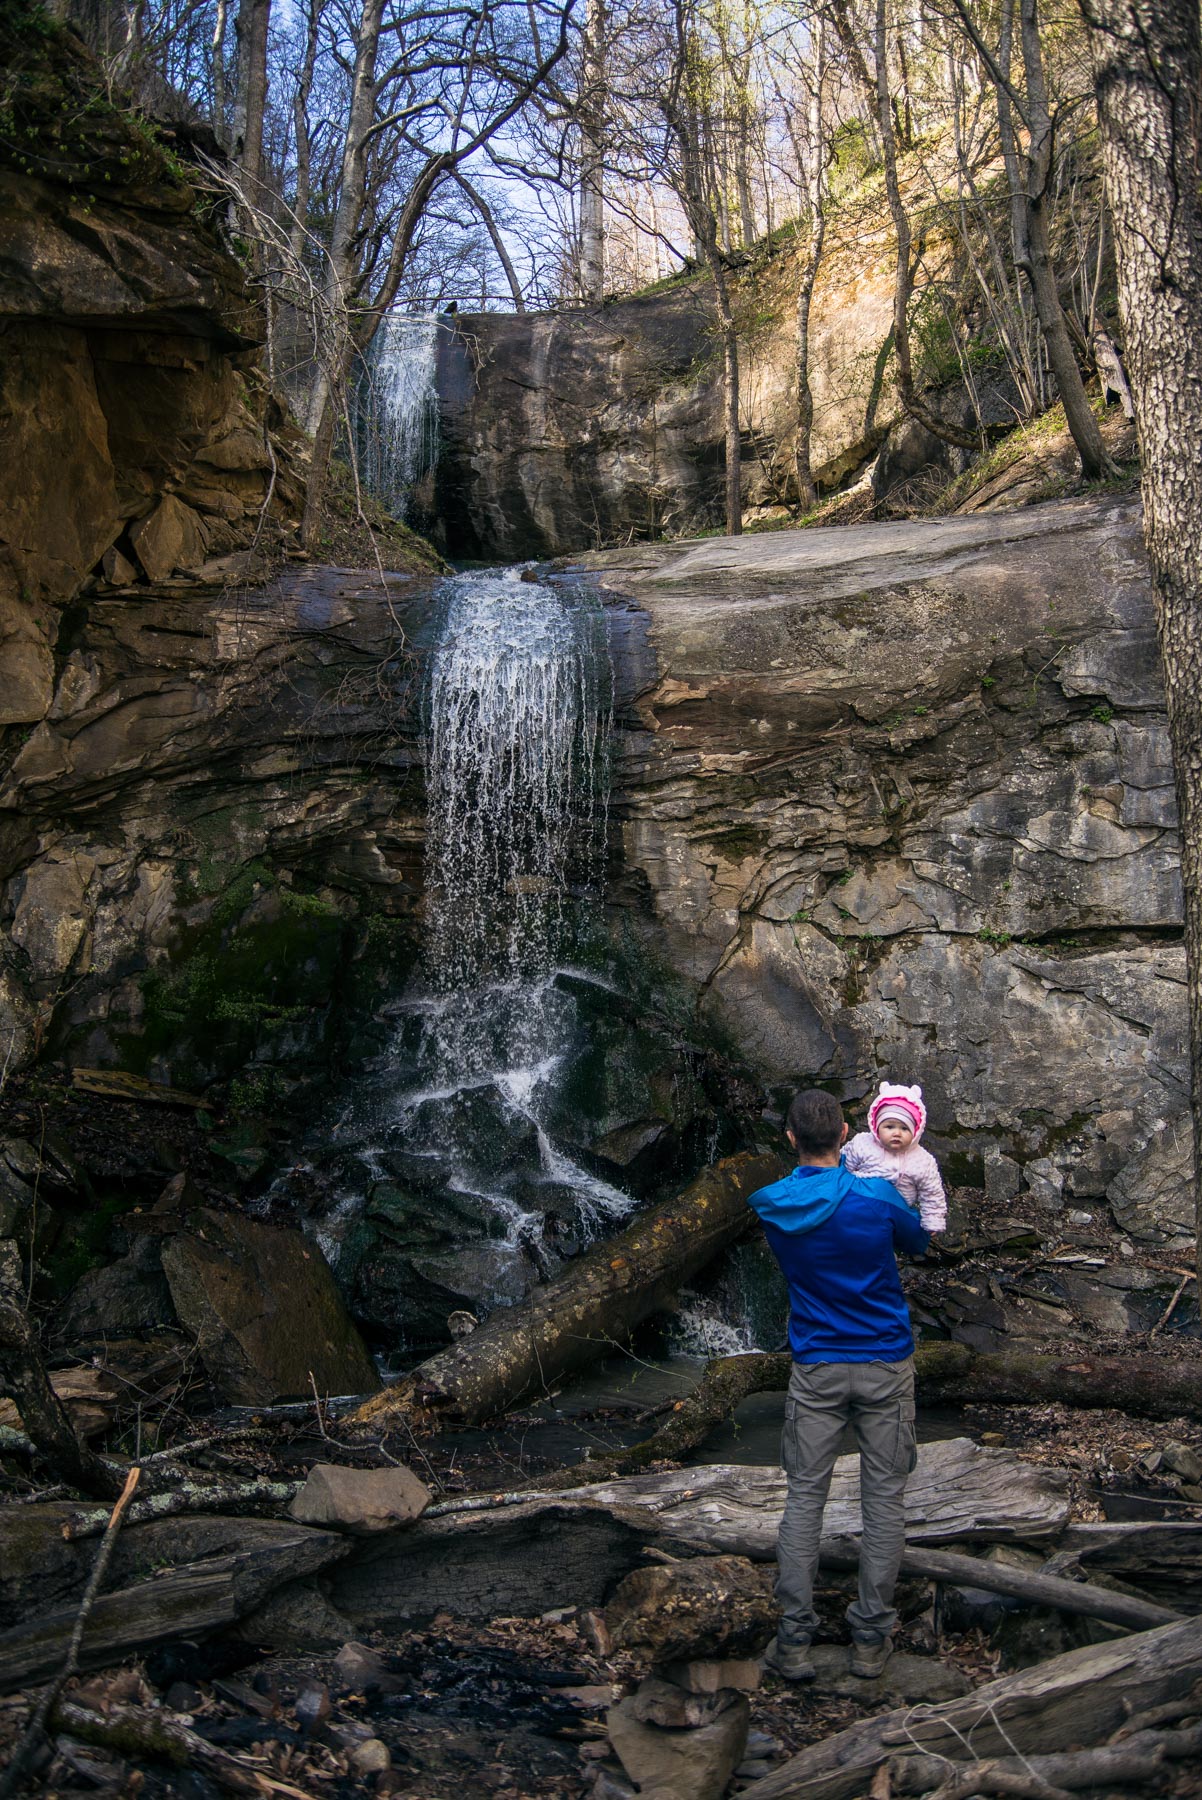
x: 906, y: 1455
x: 788, y: 1439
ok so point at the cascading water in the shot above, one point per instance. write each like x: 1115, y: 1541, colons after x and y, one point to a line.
x: 397, y: 409
x: 466, y: 1113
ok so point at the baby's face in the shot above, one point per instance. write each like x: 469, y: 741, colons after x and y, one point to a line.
x: 894, y: 1136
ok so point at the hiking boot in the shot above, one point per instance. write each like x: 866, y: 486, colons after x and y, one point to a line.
x: 869, y: 1657
x: 791, y: 1658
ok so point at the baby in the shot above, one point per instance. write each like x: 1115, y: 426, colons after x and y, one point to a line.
x: 890, y: 1148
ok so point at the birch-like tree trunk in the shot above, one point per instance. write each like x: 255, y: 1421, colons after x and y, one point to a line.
x: 1148, y: 77
x: 592, y: 156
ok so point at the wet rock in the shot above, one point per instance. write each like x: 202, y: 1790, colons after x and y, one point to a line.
x: 361, y: 1501
x: 698, y: 1763
x: 264, y: 1310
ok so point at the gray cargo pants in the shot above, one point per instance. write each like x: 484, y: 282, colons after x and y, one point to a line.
x: 878, y: 1398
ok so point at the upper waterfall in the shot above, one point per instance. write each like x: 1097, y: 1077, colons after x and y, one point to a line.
x: 396, y: 408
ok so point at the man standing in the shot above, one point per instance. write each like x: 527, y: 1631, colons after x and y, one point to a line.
x: 835, y: 1235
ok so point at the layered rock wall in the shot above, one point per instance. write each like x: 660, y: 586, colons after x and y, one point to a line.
x: 898, y: 800
x: 605, y: 425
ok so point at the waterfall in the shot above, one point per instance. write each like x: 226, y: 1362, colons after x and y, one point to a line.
x: 514, y: 805
x: 470, y: 1139
x: 396, y: 408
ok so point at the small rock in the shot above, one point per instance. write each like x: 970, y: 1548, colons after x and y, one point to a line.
x: 742, y: 1672
x: 357, y: 1669
x: 312, y: 1705
x: 371, y: 1757
x: 660, y: 1702
x: 360, y: 1501
x: 1183, y: 1461
x: 753, y: 1768
x: 118, y: 570
x: 1003, y: 1178
x: 697, y: 1763
x: 182, y: 1697
x: 763, y: 1744
x: 609, y: 1785
x: 595, y: 1632
x: 1076, y: 1217
x: 558, y: 1615
x: 993, y: 1437
x: 1190, y: 1490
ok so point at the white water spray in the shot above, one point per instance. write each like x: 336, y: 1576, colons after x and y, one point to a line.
x: 397, y: 409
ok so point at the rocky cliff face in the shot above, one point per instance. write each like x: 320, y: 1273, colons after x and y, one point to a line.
x: 898, y: 800
x: 198, y: 775
x: 605, y: 425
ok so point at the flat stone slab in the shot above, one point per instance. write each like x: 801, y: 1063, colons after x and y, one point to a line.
x: 909, y: 1678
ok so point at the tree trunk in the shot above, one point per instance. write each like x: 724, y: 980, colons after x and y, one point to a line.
x: 298, y: 231
x: 250, y: 105
x: 816, y: 153
x: 592, y: 156
x: 1039, y: 269
x: 593, y: 1306
x: 218, y: 69
x: 23, y: 1375
x: 1148, y: 77
x: 879, y: 100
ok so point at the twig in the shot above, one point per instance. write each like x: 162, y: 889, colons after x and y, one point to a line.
x: 321, y: 1424
x: 1169, y: 1310
x: 35, y: 1730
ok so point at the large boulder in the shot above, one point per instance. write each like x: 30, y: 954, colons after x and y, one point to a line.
x: 265, y: 1311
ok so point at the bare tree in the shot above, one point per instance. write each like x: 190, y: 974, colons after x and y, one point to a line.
x: 1148, y: 73
x: 1029, y: 177
x: 876, y: 89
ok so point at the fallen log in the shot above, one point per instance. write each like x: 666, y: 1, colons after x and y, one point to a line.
x: 1139, y: 1759
x: 143, y: 1735
x: 34, y: 1732
x: 1081, y: 1697
x: 945, y: 1373
x: 191, y: 1600
x: 1036, y: 1588
x: 527, y: 1552
x: 595, y: 1304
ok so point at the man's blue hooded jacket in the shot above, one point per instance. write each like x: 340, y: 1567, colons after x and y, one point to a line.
x: 834, y: 1235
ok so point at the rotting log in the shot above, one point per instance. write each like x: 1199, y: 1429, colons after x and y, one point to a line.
x: 596, y: 1303
x: 528, y: 1552
x: 188, y: 1601
x: 1081, y: 1697
x: 1036, y: 1589
x: 143, y: 1735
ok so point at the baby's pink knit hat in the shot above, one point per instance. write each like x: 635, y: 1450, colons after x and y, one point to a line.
x: 898, y: 1103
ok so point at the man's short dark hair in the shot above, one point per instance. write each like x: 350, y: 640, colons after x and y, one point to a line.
x: 815, y: 1119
